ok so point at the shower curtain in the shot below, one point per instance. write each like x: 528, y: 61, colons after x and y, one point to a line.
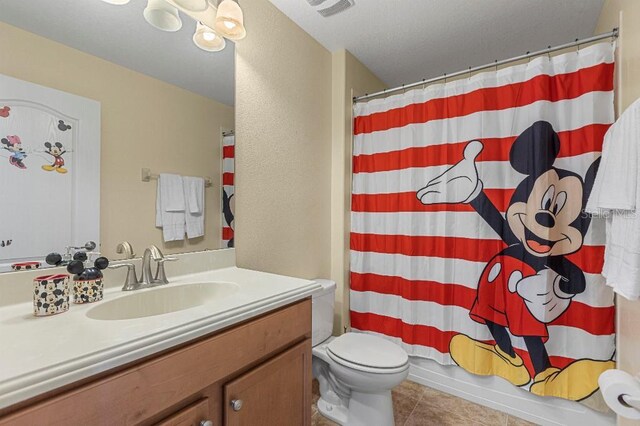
x: 228, y: 188
x: 469, y: 241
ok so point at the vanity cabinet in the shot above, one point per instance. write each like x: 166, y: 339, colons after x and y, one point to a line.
x: 255, y: 373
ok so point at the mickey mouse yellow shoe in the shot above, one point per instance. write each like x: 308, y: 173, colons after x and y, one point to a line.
x: 48, y: 168
x: 487, y: 360
x: 576, y: 381
x: 61, y: 170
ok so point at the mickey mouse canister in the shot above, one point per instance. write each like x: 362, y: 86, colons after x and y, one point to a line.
x: 88, y: 285
x: 50, y: 295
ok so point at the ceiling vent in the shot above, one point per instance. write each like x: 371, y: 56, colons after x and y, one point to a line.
x: 337, y: 6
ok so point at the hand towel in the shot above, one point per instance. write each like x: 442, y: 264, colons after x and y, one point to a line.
x: 194, y: 198
x: 170, y: 207
x: 616, y: 195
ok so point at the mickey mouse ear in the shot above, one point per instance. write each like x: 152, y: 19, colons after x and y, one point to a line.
x: 535, y: 150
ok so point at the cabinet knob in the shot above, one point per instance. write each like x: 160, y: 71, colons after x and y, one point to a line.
x: 206, y: 423
x: 236, y: 404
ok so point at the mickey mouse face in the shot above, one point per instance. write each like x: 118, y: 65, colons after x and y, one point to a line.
x: 545, y: 213
x: 55, y: 149
x: 544, y: 221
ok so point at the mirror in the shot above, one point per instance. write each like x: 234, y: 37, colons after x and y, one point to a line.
x: 96, y: 103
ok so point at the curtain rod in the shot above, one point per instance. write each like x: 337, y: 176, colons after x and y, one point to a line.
x: 613, y: 34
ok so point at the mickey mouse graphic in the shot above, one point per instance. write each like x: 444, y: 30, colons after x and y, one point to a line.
x: 55, y: 150
x: 530, y: 283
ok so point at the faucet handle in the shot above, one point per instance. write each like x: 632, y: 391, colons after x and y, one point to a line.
x: 161, y: 275
x: 131, y: 280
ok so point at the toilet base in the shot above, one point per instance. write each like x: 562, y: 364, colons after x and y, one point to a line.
x: 365, y: 409
x: 336, y: 413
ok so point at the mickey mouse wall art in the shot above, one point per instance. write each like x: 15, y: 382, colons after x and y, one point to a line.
x: 55, y: 150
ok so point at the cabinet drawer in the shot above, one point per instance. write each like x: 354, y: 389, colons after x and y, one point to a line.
x: 143, y: 391
x: 196, y: 414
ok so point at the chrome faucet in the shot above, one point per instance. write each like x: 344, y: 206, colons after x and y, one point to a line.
x: 148, y: 279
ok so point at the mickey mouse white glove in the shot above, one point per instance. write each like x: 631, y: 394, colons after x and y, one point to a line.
x: 542, y: 295
x: 458, y: 184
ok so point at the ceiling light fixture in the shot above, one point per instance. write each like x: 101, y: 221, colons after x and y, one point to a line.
x: 230, y: 20
x: 192, y: 5
x: 213, y: 24
x: 207, y: 39
x: 162, y: 15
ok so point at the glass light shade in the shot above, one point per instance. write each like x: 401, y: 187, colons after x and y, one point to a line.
x: 229, y: 20
x: 207, y: 39
x: 192, y: 5
x: 117, y: 2
x: 162, y: 15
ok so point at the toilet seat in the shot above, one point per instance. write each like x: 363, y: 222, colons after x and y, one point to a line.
x: 368, y: 353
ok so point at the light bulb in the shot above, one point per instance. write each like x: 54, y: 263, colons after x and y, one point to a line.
x: 207, y: 39
x: 230, y: 20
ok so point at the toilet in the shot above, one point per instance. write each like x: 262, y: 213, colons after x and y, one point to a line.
x: 356, y: 371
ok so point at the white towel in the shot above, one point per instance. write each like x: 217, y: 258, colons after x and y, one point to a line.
x: 194, y: 198
x: 616, y: 195
x: 170, y: 207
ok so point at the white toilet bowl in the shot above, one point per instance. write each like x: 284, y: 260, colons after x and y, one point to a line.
x: 356, y: 371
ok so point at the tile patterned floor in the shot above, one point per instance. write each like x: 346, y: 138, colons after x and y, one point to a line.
x: 417, y: 405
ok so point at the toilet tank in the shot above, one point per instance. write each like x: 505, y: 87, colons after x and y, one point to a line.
x: 322, y: 312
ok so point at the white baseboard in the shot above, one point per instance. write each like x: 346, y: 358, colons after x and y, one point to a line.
x: 498, y: 394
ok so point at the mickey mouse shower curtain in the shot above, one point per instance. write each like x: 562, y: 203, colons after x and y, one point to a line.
x: 469, y: 241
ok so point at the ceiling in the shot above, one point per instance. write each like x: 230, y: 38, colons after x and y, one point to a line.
x: 403, y: 41
x: 120, y: 34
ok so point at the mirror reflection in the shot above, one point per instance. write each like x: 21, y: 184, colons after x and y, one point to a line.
x: 116, y: 129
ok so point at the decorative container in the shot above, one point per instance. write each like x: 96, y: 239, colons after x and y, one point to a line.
x: 87, y: 290
x: 50, y: 295
x: 25, y: 266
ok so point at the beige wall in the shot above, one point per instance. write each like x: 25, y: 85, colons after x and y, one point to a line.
x: 349, y: 78
x: 145, y: 123
x: 283, y: 151
x: 628, y: 90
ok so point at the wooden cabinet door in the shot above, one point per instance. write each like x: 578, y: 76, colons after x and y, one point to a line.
x: 196, y: 414
x: 276, y: 393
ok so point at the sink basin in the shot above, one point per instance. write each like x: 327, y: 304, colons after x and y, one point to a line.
x: 161, y: 300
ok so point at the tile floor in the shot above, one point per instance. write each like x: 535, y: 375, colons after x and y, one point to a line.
x: 416, y: 405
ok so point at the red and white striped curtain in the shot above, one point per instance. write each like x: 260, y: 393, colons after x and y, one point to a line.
x: 469, y: 241
x: 228, y: 189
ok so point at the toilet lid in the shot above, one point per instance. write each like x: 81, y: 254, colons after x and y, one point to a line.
x: 367, y: 350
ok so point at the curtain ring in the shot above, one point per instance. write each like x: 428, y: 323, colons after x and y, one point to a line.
x: 528, y: 57
x: 495, y: 61
x: 469, y: 74
x: 445, y: 78
x: 549, y: 52
x: 578, y: 49
x: 424, y: 83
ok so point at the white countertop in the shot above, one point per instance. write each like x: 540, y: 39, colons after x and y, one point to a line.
x: 45, y: 353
